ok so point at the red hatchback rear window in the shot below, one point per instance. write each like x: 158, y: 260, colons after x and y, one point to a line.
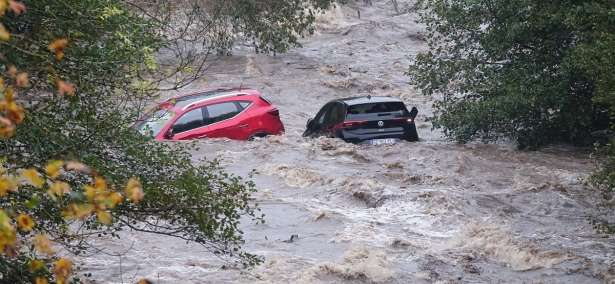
x: 377, y: 108
x: 265, y: 100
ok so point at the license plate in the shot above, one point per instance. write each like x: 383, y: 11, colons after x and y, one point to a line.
x: 382, y: 141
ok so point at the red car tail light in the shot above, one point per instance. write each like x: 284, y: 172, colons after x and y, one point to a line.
x: 405, y: 119
x: 351, y: 124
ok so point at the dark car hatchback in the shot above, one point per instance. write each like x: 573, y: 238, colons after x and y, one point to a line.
x: 373, y: 120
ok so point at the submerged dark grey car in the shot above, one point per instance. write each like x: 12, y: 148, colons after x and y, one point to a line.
x: 373, y: 120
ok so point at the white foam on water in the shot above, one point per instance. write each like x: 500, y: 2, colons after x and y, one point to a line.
x: 296, y: 176
x: 332, y: 18
x: 499, y: 244
x: 359, y: 264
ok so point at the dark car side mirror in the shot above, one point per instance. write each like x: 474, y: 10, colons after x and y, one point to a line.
x: 308, y: 128
x: 414, y: 112
x: 309, y: 123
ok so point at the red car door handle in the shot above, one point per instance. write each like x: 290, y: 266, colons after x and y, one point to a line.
x: 202, y: 136
x: 243, y: 126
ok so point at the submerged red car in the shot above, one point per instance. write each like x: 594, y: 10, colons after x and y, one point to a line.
x: 239, y: 114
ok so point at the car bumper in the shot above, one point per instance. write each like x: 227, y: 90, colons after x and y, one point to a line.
x: 408, y: 134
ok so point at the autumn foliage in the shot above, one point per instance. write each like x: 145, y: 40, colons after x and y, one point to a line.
x: 76, y: 75
x: 20, y: 236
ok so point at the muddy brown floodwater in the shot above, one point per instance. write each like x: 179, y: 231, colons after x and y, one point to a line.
x: 425, y: 212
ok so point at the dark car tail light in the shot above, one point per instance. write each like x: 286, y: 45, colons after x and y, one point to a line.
x: 351, y: 124
x: 405, y: 119
x: 274, y: 112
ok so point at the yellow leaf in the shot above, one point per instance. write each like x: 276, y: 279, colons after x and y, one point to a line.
x: 8, y: 240
x: 12, y: 71
x: 36, y: 265
x: 57, y: 46
x: 4, y: 34
x: 53, y: 168
x: 134, y: 190
x: 65, y: 88
x: 104, y: 217
x: 90, y: 192
x: 100, y: 184
x: 25, y: 222
x: 40, y: 280
x: 7, y: 127
x: 108, y: 200
x: 115, y: 198
x: 3, y: 6
x: 17, y: 7
x: 58, y: 189
x: 15, y: 112
x: 21, y: 80
x: 5, y: 221
x: 8, y: 236
x: 62, y: 269
x: 42, y: 244
x: 9, y: 95
x: 33, y: 177
x: 7, y: 184
x: 78, y: 211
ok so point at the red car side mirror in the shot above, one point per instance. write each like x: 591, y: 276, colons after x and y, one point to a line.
x: 169, y: 134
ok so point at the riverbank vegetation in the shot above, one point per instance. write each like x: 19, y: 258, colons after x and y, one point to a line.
x: 534, y: 72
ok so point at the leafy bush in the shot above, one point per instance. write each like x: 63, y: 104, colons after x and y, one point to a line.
x: 533, y: 71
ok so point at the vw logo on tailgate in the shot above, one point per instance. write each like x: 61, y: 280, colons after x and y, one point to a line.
x: 381, y: 123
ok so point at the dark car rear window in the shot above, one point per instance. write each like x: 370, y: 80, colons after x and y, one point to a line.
x: 392, y: 108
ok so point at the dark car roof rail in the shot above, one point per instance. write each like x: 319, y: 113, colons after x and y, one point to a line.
x: 367, y: 99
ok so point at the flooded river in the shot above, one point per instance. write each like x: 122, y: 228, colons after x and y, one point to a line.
x: 424, y: 212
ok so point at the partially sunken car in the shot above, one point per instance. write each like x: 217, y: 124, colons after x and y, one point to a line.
x: 239, y: 114
x: 369, y: 120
